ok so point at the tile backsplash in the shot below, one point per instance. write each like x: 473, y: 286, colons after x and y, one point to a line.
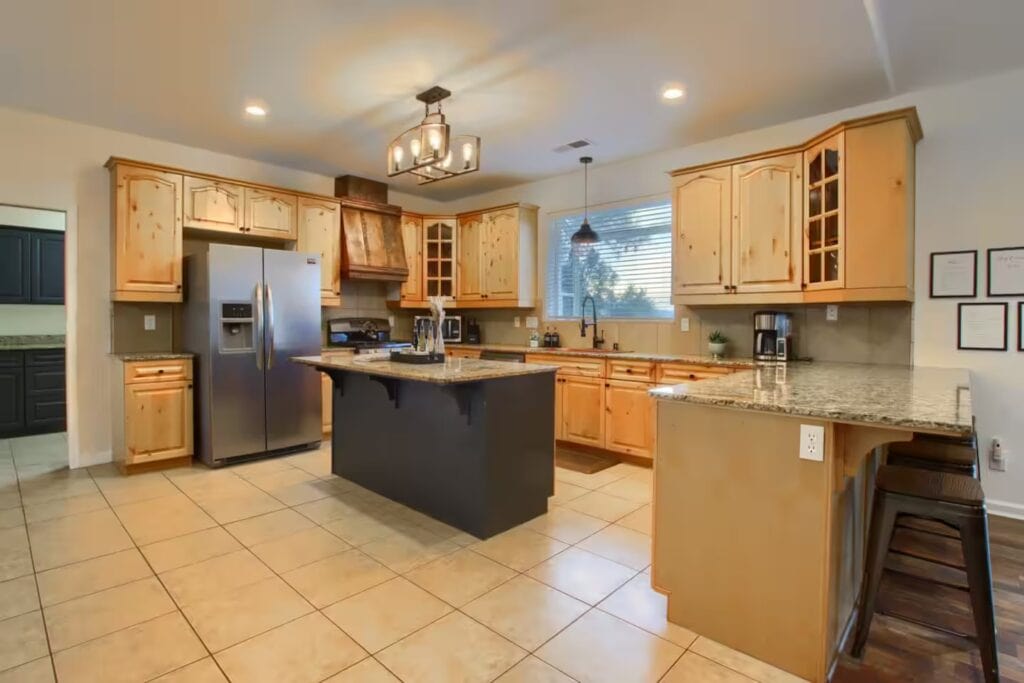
x: 864, y: 333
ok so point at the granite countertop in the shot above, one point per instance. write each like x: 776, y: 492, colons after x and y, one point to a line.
x: 452, y: 371
x: 605, y: 353
x: 152, y: 355
x: 23, y: 342
x: 911, y: 397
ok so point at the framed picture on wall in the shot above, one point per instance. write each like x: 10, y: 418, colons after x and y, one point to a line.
x: 1006, y: 271
x: 982, y: 327
x: 1020, y: 326
x: 953, y: 275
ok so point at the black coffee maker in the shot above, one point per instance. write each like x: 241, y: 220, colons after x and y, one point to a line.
x: 473, y: 332
x: 773, y: 336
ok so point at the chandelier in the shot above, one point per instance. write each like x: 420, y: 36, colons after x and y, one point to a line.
x: 429, y: 151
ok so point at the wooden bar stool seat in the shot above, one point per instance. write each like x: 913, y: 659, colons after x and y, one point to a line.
x: 955, y: 500
x: 957, y: 456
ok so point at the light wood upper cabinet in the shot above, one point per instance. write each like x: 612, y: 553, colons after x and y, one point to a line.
x: 147, y: 239
x: 500, y: 262
x: 766, y: 230
x: 583, y: 410
x: 629, y: 422
x: 320, y: 233
x: 701, y: 209
x: 213, y: 205
x: 831, y: 220
x: 471, y: 257
x: 824, y: 256
x: 271, y: 214
x: 412, y: 241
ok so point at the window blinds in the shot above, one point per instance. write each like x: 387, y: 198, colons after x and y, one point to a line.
x: 628, y: 272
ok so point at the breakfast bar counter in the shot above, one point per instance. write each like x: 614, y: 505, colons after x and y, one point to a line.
x: 468, y: 442
x: 759, y: 542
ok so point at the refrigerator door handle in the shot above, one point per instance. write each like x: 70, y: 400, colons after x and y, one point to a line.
x: 270, y: 326
x: 259, y: 326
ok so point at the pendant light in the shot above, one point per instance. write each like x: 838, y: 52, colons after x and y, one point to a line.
x: 429, y: 151
x: 585, y: 236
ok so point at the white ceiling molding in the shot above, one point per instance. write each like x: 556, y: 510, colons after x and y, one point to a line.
x: 881, y: 44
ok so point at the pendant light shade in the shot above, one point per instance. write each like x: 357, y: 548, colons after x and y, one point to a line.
x: 585, y: 236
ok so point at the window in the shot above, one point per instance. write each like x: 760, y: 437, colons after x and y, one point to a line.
x: 628, y: 272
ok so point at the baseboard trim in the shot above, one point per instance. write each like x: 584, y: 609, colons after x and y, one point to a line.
x: 1002, y: 508
x: 90, y: 459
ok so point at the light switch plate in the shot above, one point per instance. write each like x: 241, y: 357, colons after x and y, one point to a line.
x: 684, y: 324
x: 517, y: 322
x: 997, y: 456
x: 391, y: 320
x: 149, y: 322
x: 832, y: 313
x: 812, y: 442
x: 532, y: 322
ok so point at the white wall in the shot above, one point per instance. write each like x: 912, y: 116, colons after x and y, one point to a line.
x: 970, y: 170
x: 58, y: 165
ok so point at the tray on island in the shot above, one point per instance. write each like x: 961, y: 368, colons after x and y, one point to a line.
x: 417, y: 358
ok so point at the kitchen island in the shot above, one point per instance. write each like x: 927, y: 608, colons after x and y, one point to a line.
x: 755, y: 546
x: 468, y: 442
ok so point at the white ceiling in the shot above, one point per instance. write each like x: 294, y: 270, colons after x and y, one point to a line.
x: 339, y: 77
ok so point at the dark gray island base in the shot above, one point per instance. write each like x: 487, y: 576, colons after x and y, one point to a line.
x: 470, y: 443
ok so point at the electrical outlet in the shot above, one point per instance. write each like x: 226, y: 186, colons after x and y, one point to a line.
x: 532, y: 322
x: 391, y: 320
x: 831, y: 313
x: 149, y: 323
x: 684, y: 324
x: 517, y: 322
x: 812, y: 442
x: 997, y: 456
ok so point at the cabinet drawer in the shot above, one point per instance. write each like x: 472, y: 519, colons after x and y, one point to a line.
x: 672, y: 373
x: 571, y: 366
x: 45, y: 357
x: 462, y: 353
x: 638, y: 370
x: 157, y: 371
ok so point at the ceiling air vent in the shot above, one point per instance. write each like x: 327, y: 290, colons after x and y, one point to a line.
x: 575, y: 144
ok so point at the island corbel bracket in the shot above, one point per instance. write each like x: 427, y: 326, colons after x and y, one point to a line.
x: 390, y: 385
x: 337, y: 378
x: 463, y: 395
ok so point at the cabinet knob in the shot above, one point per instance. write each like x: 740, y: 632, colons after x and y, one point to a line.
x: 177, y: 287
x: 160, y: 371
x: 189, y: 386
x: 692, y: 376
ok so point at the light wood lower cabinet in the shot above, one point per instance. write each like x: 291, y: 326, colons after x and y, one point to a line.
x: 629, y: 418
x: 152, y: 413
x: 583, y: 410
x: 325, y: 402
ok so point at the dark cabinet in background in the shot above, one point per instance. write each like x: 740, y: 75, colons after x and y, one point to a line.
x: 12, y: 393
x: 32, y: 393
x: 15, y: 266
x: 31, y: 266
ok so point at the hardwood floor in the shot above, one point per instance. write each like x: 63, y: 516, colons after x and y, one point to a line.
x: 902, y: 651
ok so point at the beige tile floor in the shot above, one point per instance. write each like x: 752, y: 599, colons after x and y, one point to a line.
x: 279, y: 571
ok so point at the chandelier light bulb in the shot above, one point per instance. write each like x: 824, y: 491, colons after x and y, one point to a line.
x: 467, y: 151
x: 414, y: 147
x: 434, y: 138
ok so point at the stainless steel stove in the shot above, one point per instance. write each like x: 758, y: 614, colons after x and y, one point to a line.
x: 365, y: 335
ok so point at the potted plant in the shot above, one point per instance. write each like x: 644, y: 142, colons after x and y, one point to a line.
x: 716, y: 343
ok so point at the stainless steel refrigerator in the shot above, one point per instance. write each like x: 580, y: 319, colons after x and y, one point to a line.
x: 247, y: 311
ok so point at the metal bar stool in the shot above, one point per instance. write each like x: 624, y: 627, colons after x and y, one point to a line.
x: 956, y: 501
x: 939, y: 453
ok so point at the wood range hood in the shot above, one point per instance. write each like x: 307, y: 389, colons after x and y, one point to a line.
x: 371, y: 231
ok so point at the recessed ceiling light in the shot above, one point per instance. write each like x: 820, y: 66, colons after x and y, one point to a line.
x: 255, y: 110
x: 672, y: 92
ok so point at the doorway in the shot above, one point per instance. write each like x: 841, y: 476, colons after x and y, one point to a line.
x: 33, y: 325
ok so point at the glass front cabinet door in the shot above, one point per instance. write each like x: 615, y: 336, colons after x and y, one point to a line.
x: 439, y: 259
x: 824, y: 227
